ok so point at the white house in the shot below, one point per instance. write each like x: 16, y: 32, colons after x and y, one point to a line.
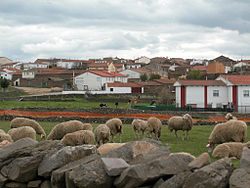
x: 131, y: 73
x: 122, y: 88
x: 225, y: 91
x: 95, y: 80
x: 6, y: 73
x: 143, y: 60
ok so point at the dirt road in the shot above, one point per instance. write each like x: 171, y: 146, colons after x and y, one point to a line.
x: 39, y: 91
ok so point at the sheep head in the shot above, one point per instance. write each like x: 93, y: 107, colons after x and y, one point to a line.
x: 188, y: 118
x: 210, y: 147
x: 43, y: 137
x: 229, y: 116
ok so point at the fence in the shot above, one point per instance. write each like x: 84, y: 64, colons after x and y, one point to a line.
x: 244, y: 109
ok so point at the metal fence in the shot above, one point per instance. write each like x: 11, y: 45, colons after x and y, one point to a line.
x: 244, y: 109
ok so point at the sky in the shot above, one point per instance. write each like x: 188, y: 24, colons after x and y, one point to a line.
x: 85, y: 29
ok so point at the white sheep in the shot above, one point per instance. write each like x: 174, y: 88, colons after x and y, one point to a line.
x: 154, y: 125
x: 78, y: 138
x: 139, y: 125
x: 105, y: 148
x: 2, y: 131
x: 20, y: 122
x: 184, y: 123
x: 102, y: 134
x: 22, y: 132
x: 229, y: 149
x: 87, y: 126
x: 61, y: 129
x: 115, y: 126
x: 229, y: 116
x: 233, y: 130
x: 4, y: 136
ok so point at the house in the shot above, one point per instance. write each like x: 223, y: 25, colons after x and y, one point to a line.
x: 96, y: 80
x: 4, y: 60
x: 135, y: 74
x: 7, y: 73
x: 143, y: 60
x: 72, y: 64
x: 216, y: 67
x: 225, y: 91
x: 27, y: 66
x: 105, y: 66
x: 122, y: 88
x: 132, y: 65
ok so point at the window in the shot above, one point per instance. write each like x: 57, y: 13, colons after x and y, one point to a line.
x: 111, y: 89
x: 246, y: 93
x: 216, y: 93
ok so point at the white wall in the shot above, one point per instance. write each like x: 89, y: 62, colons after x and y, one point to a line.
x: 178, y: 96
x: 195, y: 95
x: 131, y: 74
x: 222, y: 98
x: 93, y: 81
x: 119, y: 89
x: 243, y: 101
x: 29, y: 75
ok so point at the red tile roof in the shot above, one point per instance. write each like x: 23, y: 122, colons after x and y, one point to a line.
x: 104, y: 65
x: 201, y: 68
x: 122, y: 85
x: 104, y: 73
x: 238, y: 79
x: 149, y: 83
x: 201, y: 82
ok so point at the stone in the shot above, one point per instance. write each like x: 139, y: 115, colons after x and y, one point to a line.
x: 2, y: 180
x: 46, y: 184
x: 158, y: 183
x: 15, y: 185
x: 4, y: 143
x: 151, y: 170
x: 202, y: 160
x: 58, y: 176
x: 240, y: 178
x: 214, y: 175
x: 176, y: 181
x: 245, y: 159
x: 114, y: 166
x: 35, y: 183
x: 63, y: 156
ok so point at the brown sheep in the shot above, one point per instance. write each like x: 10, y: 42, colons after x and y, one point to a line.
x: 115, y: 126
x: 78, y: 138
x: 139, y: 125
x: 102, y: 134
x: 154, y: 125
x: 22, y: 132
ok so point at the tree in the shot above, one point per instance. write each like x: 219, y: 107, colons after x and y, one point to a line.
x: 166, y: 97
x: 154, y: 76
x: 144, y: 77
x: 194, y: 75
x: 4, y: 84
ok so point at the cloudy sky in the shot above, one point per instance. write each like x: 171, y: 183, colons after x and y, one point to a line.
x: 83, y: 29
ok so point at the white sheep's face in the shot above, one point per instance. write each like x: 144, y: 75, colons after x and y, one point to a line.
x: 210, y: 148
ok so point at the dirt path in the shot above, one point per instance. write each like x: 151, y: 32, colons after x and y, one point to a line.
x: 38, y: 91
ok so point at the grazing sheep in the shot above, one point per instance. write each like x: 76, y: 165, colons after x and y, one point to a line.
x: 154, y: 125
x: 139, y: 125
x: 87, y: 126
x: 115, y: 126
x: 105, y: 148
x: 22, y: 132
x: 184, y: 123
x: 4, y: 136
x: 102, y: 134
x: 2, y: 131
x: 79, y: 138
x: 229, y: 116
x: 4, y: 143
x: 233, y: 130
x: 61, y: 129
x: 229, y: 149
x: 20, y: 122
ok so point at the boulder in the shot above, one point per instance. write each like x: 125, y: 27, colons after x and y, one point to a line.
x: 240, y: 178
x: 63, y: 156
x: 15, y: 185
x: 245, y: 159
x: 151, y: 170
x: 35, y: 183
x: 176, y: 181
x: 2, y: 180
x: 114, y: 166
x: 202, y: 160
x: 214, y: 175
x: 158, y: 183
x: 46, y: 184
x: 4, y: 143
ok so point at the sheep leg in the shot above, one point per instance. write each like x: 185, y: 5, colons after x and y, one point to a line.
x: 120, y: 135
x: 171, y: 131
x: 176, y: 133
x: 183, y: 135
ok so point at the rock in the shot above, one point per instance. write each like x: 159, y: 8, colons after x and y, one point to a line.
x: 58, y: 176
x: 2, y: 180
x: 240, y: 178
x: 114, y: 166
x: 22, y: 147
x: 65, y: 155
x: 15, y: 185
x: 151, y: 170
x: 105, y: 148
x: 202, y: 160
x: 35, y: 183
x: 4, y: 143
x: 90, y: 175
x: 176, y: 181
x: 245, y: 159
x: 158, y: 183
x: 46, y: 184
x: 214, y: 175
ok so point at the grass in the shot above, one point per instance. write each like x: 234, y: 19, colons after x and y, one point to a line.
x: 196, y: 145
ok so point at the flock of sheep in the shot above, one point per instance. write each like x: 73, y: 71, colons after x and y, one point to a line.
x: 229, y: 135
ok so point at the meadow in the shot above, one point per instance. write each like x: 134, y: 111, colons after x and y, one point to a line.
x: 195, y: 145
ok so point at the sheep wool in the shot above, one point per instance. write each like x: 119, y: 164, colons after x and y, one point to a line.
x: 2, y: 131
x: 229, y: 116
x: 105, y: 148
x: 102, y: 134
x: 4, y: 136
x: 22, y: 132
x: 115, y: 126
x: 79, y: 138
x: 61, y: 129
x: 20, y: 122
x: 139, y: 125
x: 184, y: 123
x: 229, y: 149
x: 154, y: 125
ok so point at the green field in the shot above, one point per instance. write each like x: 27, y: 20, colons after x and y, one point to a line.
x: 196, y: 145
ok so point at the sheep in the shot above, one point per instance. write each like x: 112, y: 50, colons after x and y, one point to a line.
x: 233, y: 130
x: 4, y: 136
x: 115, y: 126
x: 105, y: 148
x: 4, y: 143
x: 22, y: 132
x: 154, y: 125
x: 102, y: 134
x: 2, y: 131
x: 139, y: 125
x: 20, y: 122
x: 63, y: 128
x: 229, y: 116
x: 229, y: 149
x: 78, y: 138
x: 184, y: 123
